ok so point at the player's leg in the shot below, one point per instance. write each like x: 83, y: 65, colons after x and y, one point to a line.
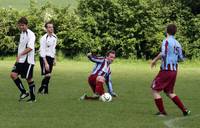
x: 100, y: 80
x: 43, y: 72
x: 47, y: 75
x: 157, y: 86
x: 169, y: 90
x: 45, y: 83
x: 158, y: 102
x: 31, y: 84
x: 86, y: 97
x: 18, y: 82
x: 92, y: 82
x: 14, y: 76
x: 179, y: 103
x: 96, y: 84
x: 30, y: 81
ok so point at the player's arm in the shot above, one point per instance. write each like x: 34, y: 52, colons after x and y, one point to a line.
x: 180, y: 53
x: 30, y: 47
x: 160, y: 55
x: 54, y: 51
x: 43, y: 53
x: 95, y: 59
x: 26, y: 51
x: 110, y: 86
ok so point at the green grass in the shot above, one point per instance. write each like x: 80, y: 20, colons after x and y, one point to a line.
x: 134, y: 108
x: 24, y: 4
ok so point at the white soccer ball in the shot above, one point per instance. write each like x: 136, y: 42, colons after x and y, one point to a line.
x: 106, y: 97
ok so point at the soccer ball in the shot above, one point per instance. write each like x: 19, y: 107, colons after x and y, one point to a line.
x: 106, y: 97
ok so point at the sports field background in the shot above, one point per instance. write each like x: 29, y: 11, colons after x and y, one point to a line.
x: 134, y: 108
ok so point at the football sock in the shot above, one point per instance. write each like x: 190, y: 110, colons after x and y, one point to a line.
x: 32, y: 89
x: 99, y: 88
x: 20, y: 86
x: 160, y: 106
x: 178, y: 102
x: 45, y: 81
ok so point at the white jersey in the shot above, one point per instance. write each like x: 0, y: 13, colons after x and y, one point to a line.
x: 48, y: 45
x: 27, y: 40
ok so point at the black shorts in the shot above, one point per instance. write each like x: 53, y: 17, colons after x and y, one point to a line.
x: 50, y: 61
x: 24, y: 69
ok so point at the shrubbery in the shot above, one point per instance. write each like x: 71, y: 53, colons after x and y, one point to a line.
x: 134, y: 28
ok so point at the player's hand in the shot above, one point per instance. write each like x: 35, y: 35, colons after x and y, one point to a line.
x: 47, y: 66
x: 17, y: 58
x: 89, y: 54
x: 153, y: 64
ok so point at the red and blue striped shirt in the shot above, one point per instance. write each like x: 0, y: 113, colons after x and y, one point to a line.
x: 171, y: 54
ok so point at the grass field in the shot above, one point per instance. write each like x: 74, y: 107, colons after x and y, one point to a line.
x: 24, y: 4
x: 132, y: 109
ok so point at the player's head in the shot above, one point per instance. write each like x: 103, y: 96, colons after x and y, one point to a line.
x: 110, y: 56
x: 22, y: 24
x: 171, y: 29
x: 49, y: 27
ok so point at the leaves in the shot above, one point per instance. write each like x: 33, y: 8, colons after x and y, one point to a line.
x: 134, y: 28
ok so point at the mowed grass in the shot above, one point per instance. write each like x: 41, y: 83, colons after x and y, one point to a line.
x: 134, y: 108
x: 24, y: 4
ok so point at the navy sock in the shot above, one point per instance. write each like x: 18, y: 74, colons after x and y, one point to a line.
x: 32, y: 89
x: 20, y: 86
x: 45, y: 81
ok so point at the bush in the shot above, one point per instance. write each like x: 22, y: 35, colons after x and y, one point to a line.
x: 134, y: 28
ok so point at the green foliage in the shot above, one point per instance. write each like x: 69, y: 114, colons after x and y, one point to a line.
x: 8, y: 31
x: 134, y: 28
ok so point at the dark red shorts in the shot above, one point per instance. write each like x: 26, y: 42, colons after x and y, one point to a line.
x: 164, y: 81
x: 92, y: 81
x: 97, y: 87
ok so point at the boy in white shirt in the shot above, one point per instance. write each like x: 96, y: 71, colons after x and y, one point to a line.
x: 25, y: 61
x: 47, y: 56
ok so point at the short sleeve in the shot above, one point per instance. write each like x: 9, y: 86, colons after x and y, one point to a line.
x: 31, y: 43
x: 164, y: 47
x: 42, y: 47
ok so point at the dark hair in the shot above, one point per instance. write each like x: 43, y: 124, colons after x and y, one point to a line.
x: 23, y: 20
x: 171, y: 29
x: 46, y: 24
x: 110, y: 52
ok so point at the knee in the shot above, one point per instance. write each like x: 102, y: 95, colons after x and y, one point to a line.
x: 156, y: 94
x: 171, y: 95
x: 100, y: 79
x: 13, y: 76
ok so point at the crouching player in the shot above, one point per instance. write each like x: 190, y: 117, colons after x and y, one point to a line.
x: 171, y: 53
x: 100, y: 75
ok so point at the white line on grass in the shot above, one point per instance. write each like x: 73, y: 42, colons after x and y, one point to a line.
x: 170, y: 123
